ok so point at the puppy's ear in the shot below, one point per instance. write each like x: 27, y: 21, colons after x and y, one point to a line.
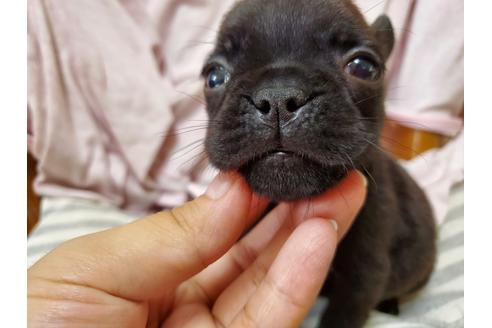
x: 383, y: 30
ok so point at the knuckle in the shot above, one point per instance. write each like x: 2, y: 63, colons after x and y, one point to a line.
x: 259, y: 273
x: 248, y: 319
x: 243, y: 256
x: 283, y: 295
x: 191, y: 232
x: 183, y: 223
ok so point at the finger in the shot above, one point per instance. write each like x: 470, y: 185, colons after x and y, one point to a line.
x: 292, y: 283
x: 238, y: 291
x: 341, y: 203
x: 151, y: 256
x: 209, y: 284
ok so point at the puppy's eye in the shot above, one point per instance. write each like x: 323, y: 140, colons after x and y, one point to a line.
x: 363, y: 68
x: 217, y: 76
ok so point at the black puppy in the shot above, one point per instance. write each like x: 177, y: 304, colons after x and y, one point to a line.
x: 294, y: 92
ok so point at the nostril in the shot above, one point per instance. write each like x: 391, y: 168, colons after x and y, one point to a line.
x: 287, y: 100
x: 292, y: 105
x: 264, y: 107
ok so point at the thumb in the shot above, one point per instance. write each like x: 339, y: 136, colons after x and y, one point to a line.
x: 151, y: 256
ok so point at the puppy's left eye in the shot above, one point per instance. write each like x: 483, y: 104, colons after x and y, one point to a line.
x: 363, y: 68
x: 217, y: 76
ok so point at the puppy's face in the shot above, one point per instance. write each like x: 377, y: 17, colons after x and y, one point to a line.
x: 294, y: 92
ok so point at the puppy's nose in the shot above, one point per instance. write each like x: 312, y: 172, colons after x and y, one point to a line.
x: 281, y: 101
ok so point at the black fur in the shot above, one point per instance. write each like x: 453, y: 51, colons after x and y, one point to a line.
x: 296, y: 50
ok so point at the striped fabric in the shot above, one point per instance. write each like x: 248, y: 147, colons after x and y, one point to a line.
x: 439, y: 304
x: 62, y: 219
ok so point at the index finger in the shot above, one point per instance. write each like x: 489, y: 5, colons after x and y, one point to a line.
x: 293, y: 281
x: 151, y: 256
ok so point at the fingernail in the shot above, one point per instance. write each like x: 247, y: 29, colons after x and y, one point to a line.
x: 334, y: 224
x: 364, y: 179
x: 220, y: 185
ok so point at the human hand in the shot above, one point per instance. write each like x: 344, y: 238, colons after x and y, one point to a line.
x: 186, y: 268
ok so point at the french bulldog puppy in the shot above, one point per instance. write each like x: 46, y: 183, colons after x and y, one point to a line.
x: 294, y: 92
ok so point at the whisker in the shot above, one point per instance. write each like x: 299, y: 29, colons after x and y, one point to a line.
x: 396, y: 143
x: 201, y: 153
x: 202, y: 165
x: 350, y: 160
x: 207, y: 121
x: 406, y: 30
x: 186, y: 153
x: 187, y: 146
x: 196, y: 98
x: 206, y: 169
x: 426, y: 127
x: 206, y: 27
x: 203, y: 42
x: 192, y: 127
x: 186, y: 128
x: 380, y: 94
x: 193, y: 44
x: 345, y: 168
x: 308, y: 207
x: 365, y: 11
x: 385, y: 152
x: 414, y: 152
x: 370, y: 177
x: 174, y: 134
x: 376, y: 146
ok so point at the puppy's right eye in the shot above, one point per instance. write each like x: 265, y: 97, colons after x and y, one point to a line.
x: 217, y: 76
x: 363, y: 68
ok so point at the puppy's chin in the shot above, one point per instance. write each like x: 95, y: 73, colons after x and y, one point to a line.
x: 284, y: 176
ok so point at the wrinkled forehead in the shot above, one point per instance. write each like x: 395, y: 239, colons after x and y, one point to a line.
x: 274, y: 29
